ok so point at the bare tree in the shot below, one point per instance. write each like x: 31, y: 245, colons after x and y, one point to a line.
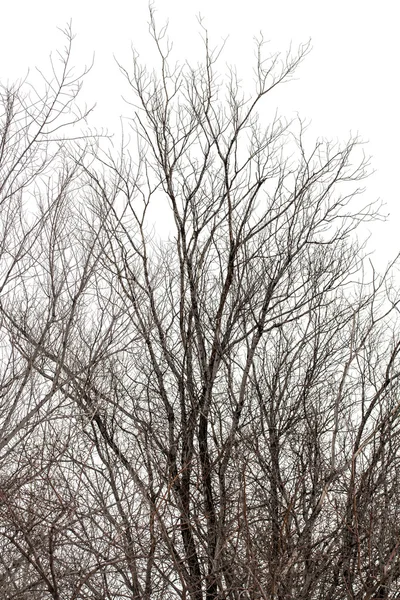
x: 210, y: 413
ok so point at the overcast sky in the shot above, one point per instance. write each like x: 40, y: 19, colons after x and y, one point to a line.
x: 348, y: 83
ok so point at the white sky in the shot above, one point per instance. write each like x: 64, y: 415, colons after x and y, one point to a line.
x: 349, y: 82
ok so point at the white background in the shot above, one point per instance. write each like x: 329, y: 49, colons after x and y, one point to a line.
x: 348, y: 83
